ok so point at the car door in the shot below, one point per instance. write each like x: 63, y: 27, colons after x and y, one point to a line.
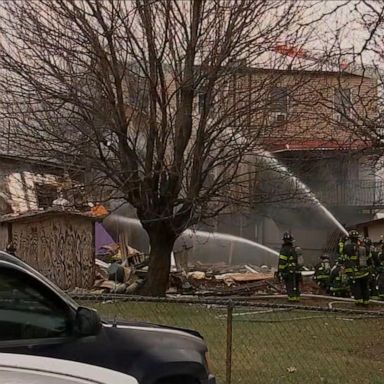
x: 34, y: 320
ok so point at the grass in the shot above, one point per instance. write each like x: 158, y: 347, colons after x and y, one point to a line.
x: 276, y: 347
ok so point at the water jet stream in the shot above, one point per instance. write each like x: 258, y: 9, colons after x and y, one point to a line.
x: 205, y: 234
x: 269, y: 158
x: 224, y: 236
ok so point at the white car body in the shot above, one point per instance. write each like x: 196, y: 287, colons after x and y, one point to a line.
x: 25, y: 369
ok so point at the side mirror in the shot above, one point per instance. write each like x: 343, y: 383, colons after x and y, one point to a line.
x: 87, y: 322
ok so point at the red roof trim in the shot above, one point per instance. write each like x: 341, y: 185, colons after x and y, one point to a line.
x: 280, y: 146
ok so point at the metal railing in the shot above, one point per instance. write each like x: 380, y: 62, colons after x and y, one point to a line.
x: 349, y: 193
x: 252, y: 343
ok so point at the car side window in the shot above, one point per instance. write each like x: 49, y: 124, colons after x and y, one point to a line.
x: 29, y: 310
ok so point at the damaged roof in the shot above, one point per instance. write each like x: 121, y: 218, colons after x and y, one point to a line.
x: 14, y: 150
x: 11, y: 217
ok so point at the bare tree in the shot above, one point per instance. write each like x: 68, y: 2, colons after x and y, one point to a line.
x: 150, y: 96
x: 352, y: 103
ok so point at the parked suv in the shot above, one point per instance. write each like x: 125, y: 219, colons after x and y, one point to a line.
x: 37, y: 318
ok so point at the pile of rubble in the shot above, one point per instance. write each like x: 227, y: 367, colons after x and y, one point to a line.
x: 116, y: 278
x: 125, y: 275
x: 116, y: 273
x: 224, y: 280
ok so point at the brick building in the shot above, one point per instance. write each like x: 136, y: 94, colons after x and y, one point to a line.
x: 312, y: 121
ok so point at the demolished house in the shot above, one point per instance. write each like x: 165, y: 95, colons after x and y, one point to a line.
x: 45, y: 216
x: 30, y: 185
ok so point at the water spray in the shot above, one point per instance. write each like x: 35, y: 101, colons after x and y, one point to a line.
x: 268, y: 157
x: 206, y: 235
x: 224, y: 236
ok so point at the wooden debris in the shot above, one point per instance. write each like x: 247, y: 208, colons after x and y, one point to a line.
x: 197, y: 275
x: 244, y: 277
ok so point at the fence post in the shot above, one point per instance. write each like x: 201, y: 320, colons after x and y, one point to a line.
x: 228, y: 372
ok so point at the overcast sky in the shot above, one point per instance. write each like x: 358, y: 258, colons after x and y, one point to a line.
x: 345, y: 20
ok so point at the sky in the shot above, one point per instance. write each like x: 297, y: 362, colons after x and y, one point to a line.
x: 344, y: 22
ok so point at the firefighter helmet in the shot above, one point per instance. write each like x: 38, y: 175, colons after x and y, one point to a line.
x: 324, y: 256
x: 353, y: 234
x: 367, y: 241
x: 287, y: 237
x: 11, y: 248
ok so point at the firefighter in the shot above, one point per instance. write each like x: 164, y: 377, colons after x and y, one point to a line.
x: 357, y: 268
x: 323, y: 273
x: 340, y: 248
x: 11, y: 249
x: 338, y: 280
x: 380, y: 271
x: 372, y: 263
x: 289, y: 268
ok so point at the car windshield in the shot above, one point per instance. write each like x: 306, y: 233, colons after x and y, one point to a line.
x: 55, y: 288
x: 29, y: 310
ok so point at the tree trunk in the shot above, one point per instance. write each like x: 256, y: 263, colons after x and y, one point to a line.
x: 159, y: 261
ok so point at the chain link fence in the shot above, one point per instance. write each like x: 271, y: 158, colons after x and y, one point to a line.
x: 253, y: 343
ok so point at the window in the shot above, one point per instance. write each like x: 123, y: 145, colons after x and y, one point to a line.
x: 80, y: 197
x: 342, y: 104
x: 138, y: 92
x: 28, y: 310
x: 45, y: 194
x: 279, y: 100
x: 201, y: 102
x: 278, y: 106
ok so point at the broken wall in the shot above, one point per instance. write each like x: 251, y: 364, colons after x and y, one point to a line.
x: 18, y: 184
